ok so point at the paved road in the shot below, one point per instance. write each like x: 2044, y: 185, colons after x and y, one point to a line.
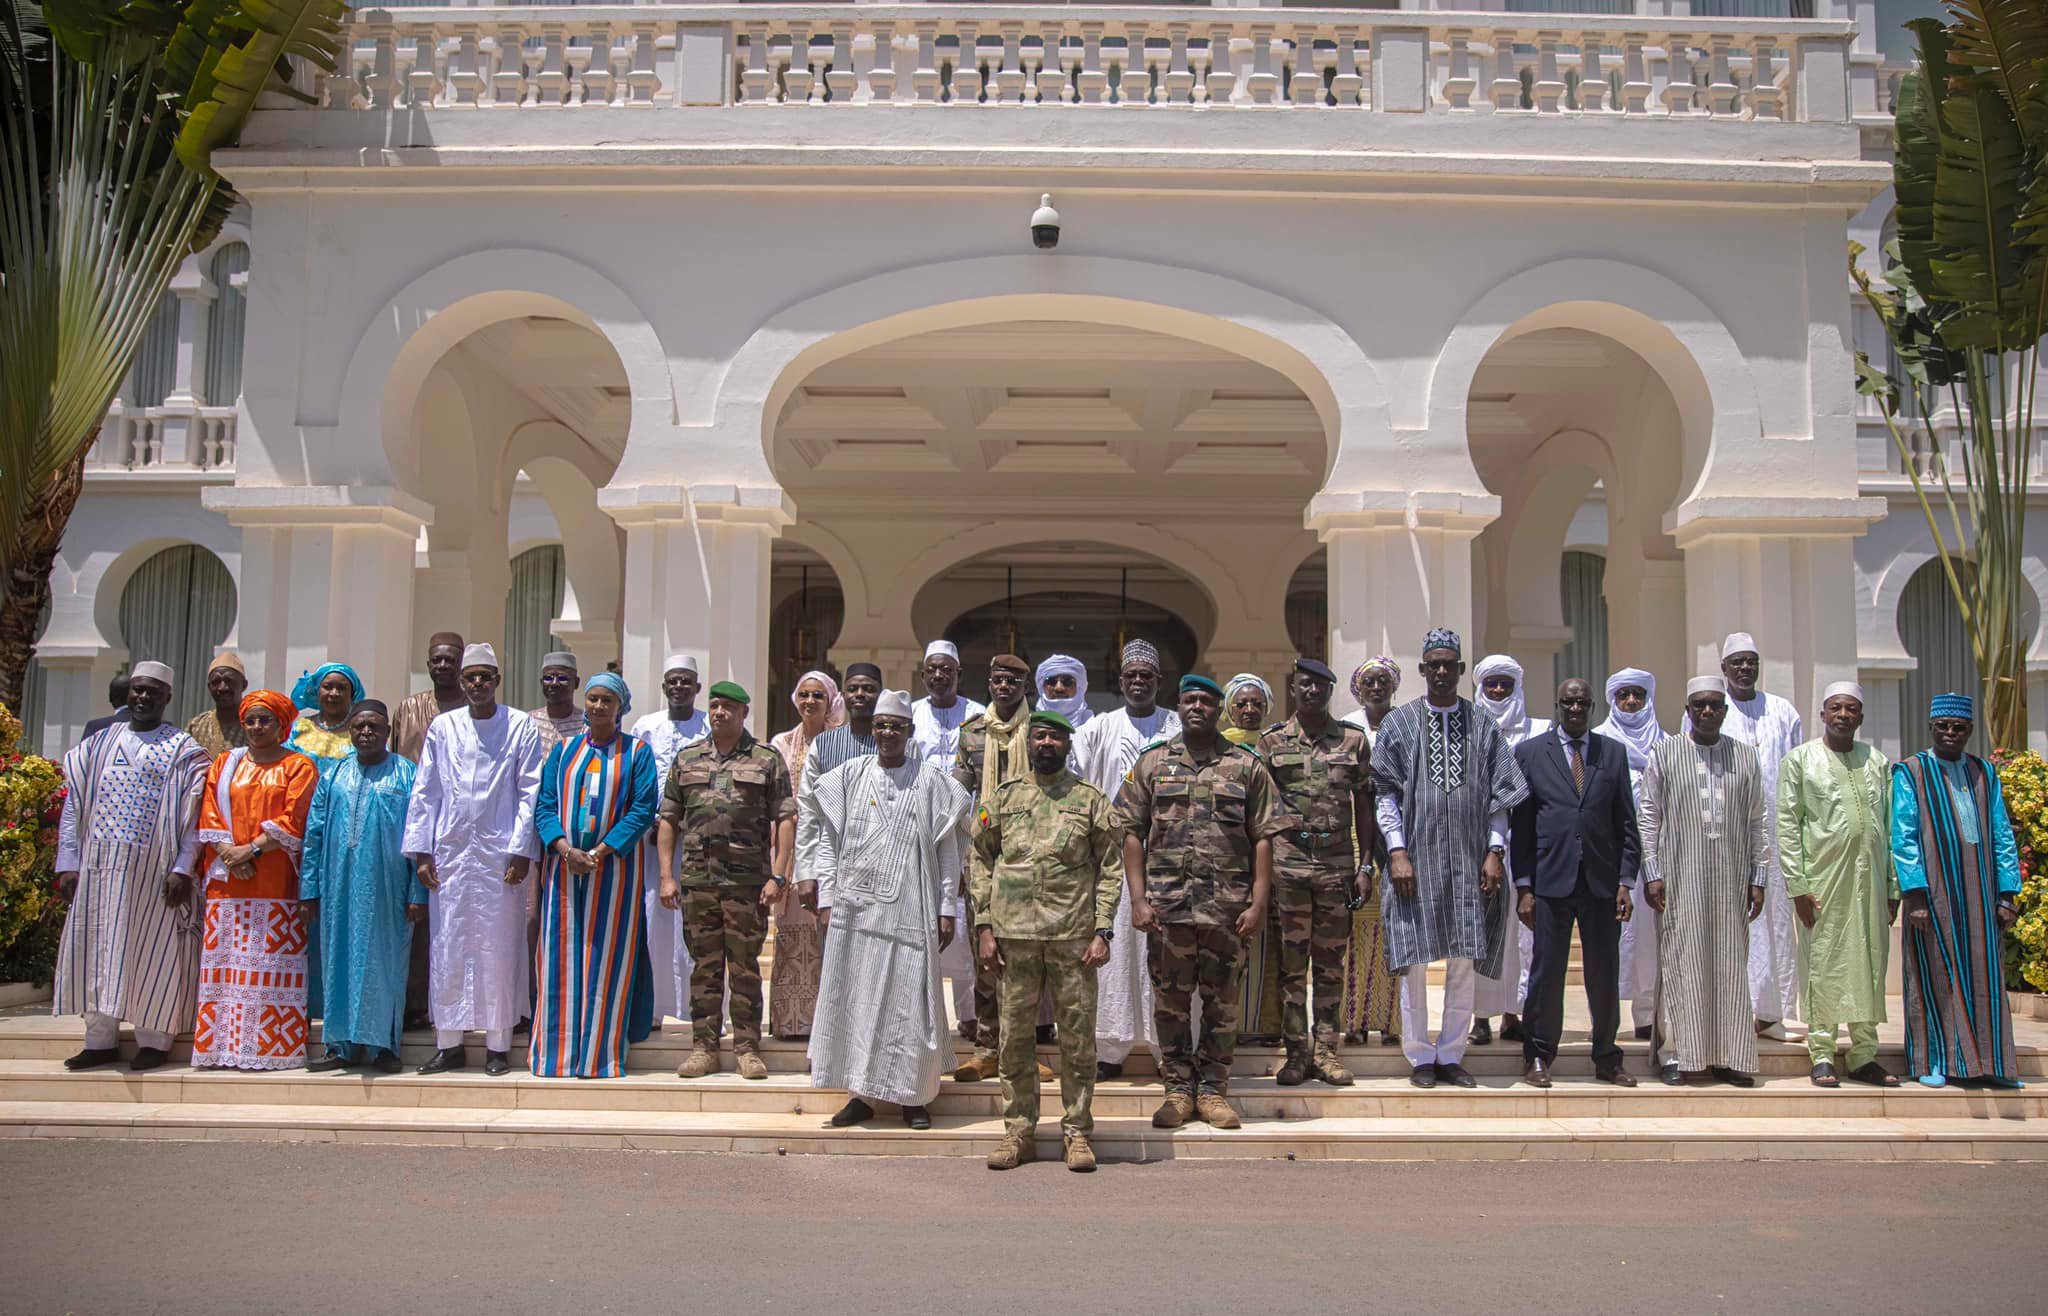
x: 173, y: 1227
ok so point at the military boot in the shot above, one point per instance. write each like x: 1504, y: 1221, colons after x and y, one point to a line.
x: 1176, y: 1110
x: 1327, y: 1067
x: 1080, y: 1156
x: 983, y: 1066
x: 703, y: 1060
x: 1014, y: 1150
x: 750, y: 1065
x: 1215, y: 1111
x: 1294, y: 1072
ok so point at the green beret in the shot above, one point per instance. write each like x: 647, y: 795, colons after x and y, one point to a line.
x: 1196, y: 681
x: 732, y: 690
x: 1046, y: 717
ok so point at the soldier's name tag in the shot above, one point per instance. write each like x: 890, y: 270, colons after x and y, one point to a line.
x: 724, y: 781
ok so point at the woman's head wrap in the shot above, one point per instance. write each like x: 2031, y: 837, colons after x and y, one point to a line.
x: 306, y: 694
x: 615, y: 683
x: 835, y: 703
x: 280, y: 706
x: 1379, y: 662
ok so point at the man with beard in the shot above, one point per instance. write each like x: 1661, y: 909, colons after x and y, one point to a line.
x: 409, y: 723
x: 1104, y: 751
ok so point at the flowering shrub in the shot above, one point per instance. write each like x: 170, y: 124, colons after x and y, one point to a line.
x: 2024, y: 776
x: 31, y: 915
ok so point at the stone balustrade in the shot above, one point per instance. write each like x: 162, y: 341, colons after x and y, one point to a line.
x: 833, y: 57
x: 165, y: 439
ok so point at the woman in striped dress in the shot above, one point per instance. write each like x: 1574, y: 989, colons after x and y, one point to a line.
x: 1371, y: 1001
x: 594, y: 984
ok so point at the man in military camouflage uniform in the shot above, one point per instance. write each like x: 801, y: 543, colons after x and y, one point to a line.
x: 1199, y: 821
x: 992, y: 751
x: 1320, y: 769
x: 729, y: 813
x: 1047, y: 873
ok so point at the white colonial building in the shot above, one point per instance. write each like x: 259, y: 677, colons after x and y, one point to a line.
x: 722, y: 328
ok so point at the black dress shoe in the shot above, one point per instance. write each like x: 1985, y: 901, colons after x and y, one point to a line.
x: 1390, y: 1039
x: 386, y: 1062
x: 415, y: 1020
x: 1643, y: 1032
x: 1670, y: 1075
x: 497, y: 1063
x: 1108, y: 1069
x: 524, y: 1028
x: 1510, y: 1028
x: 917, y: 1117
x: 1456, y: 1076
x: 147, y: 1058
x: 1734, y: 1078
x: 93, y: 1058
x: 445, y: 1061
x: 1423, y: 1076
x: 328, y: 1063
x: 1536, y: 1074
x: 1618, y: 1076
x: 1482, y: 1032
x: 1047, y: 1034
x: 855, y: 1111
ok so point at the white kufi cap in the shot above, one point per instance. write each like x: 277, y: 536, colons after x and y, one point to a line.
x: 479, y: 654
x: 1706, y: 685
x: 893, y: 703
x: 678, y: 662
x: 1849, y: 688
x: 155, y: 672
x: 1740, y: 642
x: 946, y: 647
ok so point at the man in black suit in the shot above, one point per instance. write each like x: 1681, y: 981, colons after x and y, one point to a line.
x: 1576, y: 852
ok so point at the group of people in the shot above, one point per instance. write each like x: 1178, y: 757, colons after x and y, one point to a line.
x: 1154, y: 875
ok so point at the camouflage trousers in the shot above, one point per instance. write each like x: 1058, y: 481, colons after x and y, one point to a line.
x: 988, y: 1000
x: 1185, y: 956
x: 1029, y: 968
x: 724, y: 928
x: 1315, y: 930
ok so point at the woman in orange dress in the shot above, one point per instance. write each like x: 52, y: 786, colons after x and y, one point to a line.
x: 252, y: 963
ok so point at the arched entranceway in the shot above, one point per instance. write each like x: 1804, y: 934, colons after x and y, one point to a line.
x: 177, y: 608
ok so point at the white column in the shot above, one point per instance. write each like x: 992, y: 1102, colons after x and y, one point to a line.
x: 1536, y: 646
x: 696, y: 582
x: 75, y: 680
x: 1646, y: 624
x: 327, y: 575
x: 1784, y: 571
x: 1397, y: 572
x: 195, y: 293
x: 1884, y: 714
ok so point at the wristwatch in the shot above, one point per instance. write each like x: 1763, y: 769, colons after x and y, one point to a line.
x: 1107, y: 934
x: 778, y: 879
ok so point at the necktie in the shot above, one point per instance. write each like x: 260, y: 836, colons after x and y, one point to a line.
x: 1578, y: 768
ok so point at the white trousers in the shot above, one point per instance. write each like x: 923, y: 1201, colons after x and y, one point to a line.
x: 497, y: 1039
x: 1455, y: 1031
x: 103, y: 1033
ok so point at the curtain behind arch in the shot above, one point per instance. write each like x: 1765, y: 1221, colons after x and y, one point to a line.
x: 156, y: 357
x: 539, y: 581
x: 1582, y: 584
x: 1933, y: 632
x: 224, y: 326
x: 176, y: 609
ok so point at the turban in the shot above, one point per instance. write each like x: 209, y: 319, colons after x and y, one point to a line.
x: 444, y: 638
x: 369, y: 706
x: 1139, y: 654
x: 1710, y: 685
x: 560, y: 658
x: 1075, y: 708
x: 1637, y: 731
x: 278, y: 705
x: 732, y: 690
x: 1511, y: 715
x: 149, y: 671
x: 863, y: 669
x: 227, y: 660
x: 1196, y: 681
x: 479, y: 655
x: 1443, y: 637
x: 1953, y: 705
x: 835, y: 703
x: 893, y: 703
x: 1739, y: 642
x: 941, y: 649
x: 1240, y: 681
x: 1047, y: 718
x: 1378, y: 662
x: 306, y: 694
x: 615, y: 683
x: 1010, y: 662
x: 679, y: 662
x: 1849, y: 688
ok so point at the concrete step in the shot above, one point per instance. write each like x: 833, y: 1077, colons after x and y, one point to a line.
x: 44, y: 1037
x: 1257, y: 1099
x: 1115, y: 1139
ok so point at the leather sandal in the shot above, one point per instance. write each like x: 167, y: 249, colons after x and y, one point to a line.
x: 1875, y: 1075
x: 1823, y: 1075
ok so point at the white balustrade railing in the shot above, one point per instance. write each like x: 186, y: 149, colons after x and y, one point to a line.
x: 166, y: 438
x: 840, y: 56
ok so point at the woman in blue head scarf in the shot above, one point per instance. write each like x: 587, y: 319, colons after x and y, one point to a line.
x: 324, y: 697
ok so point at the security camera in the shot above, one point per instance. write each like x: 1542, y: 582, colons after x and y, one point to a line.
x: 1045, y: 224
